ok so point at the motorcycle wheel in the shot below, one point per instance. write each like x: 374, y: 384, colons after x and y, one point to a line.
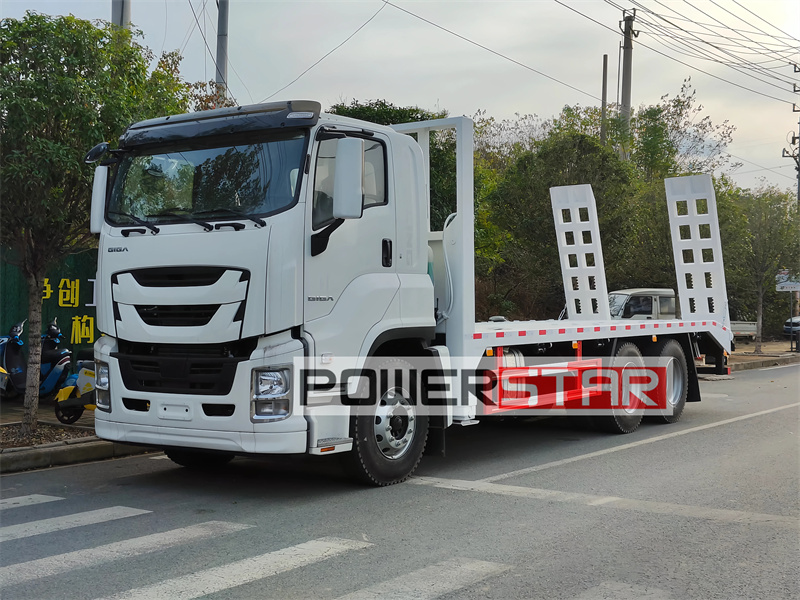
x: 68, y: 415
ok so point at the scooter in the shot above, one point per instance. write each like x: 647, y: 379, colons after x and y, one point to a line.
x: 54, y: 367
x: 77, y: 394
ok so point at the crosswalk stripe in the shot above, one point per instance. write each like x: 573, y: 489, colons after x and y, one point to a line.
x: 431, y: 582
x: 201, y: 583
x: 23, y: 530
x: 92, y: 557
x: 27, y: 501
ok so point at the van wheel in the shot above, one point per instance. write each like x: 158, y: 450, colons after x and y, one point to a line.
x: 677, y: 380
x: 622, y: 420
x: 389, y: 431
x: 198, y: 459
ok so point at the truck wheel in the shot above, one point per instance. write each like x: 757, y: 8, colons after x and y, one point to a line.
x: 389, y: 432
x: 677, y: 379
x: 198, y: 459
x: 622, y: 420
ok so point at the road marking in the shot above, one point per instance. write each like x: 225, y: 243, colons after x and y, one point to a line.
x: 623, y: 591
x: 645, y: 506
x: 566, y: 461
x: 431, y: 582
x: 92, y: 557
x: 15, y: 532
x: 26, y: 501
x: 202, y: 583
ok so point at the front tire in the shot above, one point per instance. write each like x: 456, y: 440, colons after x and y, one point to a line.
x: 622, y: 420
x: 389, y: 433
x: 68, y: 415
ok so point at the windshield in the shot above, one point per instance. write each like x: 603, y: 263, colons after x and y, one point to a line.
x: 171, y: 184
x: 616, y: 302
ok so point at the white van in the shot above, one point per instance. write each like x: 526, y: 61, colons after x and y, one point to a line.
x: 642, y: 303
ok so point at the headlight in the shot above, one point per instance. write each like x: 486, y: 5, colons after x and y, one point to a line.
x: 270, y: 389
x: 101, y: 375
x: 268, y: 384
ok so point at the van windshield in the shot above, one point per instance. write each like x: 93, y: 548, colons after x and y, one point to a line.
x: 167, y: 185
x: 616, y: 302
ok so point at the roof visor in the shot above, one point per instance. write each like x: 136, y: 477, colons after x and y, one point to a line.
x: 221, y: 121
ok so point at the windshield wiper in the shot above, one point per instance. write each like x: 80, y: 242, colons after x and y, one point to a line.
x: 232, y: 211
x: 136, y: 220
x: 183, y: 218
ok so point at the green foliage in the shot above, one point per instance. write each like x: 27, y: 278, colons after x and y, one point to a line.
x: 65, y: 85
x: 521, y: 202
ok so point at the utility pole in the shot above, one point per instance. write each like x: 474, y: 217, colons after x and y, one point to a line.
x: 222, y: 48
x: 603, y: 101
x: 121, y: 13
x: 628, y: 17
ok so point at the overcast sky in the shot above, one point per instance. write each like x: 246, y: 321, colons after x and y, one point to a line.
x: 506, y: 58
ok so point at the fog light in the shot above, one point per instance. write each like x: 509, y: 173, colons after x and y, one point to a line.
x: 102, y: 400
x: 275, y: 408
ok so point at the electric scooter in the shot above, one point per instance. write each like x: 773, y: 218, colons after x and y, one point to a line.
x: 77, y: 394
x: 54, y: 367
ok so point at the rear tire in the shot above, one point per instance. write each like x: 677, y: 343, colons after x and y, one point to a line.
x: 677, y: 380
x: 198, y: 459
x: 389, y: 433
x: 622, y: 420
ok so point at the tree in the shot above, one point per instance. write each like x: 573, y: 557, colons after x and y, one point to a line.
x: 531, y: 277
x: 773, y: 242
x: 65, y: 85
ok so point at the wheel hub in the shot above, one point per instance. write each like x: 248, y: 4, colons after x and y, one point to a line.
x: 395, y: 425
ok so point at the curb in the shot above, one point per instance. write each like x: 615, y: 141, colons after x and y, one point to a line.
x: 68, y: 452
x: 767, y: 361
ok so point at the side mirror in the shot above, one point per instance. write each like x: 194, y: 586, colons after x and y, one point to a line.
x: 348, y: 183
x: 98, y: 198
x: 96, y: 153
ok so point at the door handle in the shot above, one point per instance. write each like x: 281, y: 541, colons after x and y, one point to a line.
x: 386, y: 257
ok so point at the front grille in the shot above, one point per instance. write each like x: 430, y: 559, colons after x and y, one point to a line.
x: 193, y: 315
x: 182, y: 369
x: 178, y: 276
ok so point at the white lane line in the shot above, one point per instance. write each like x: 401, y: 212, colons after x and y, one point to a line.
x: 23, y: 530
x: 431, y: 582
x: 202, y: 583
x: 645, y: 506
x: 92, y: 557
x: 780, y: 367
x: 566, y: 461
x: 623, y: 591
x: 27, y: 501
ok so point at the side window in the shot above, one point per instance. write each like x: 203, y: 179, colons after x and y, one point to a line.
x: 666, y: 305
x: 374, y: 186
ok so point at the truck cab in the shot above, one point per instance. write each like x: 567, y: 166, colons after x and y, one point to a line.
x: 642, y: 303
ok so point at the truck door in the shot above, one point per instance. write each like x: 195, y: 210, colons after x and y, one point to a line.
x: 350, y: 275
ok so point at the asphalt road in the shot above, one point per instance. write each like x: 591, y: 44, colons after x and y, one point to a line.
x: 706, y: 508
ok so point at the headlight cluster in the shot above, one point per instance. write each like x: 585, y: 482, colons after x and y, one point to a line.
x: 270, y: 392
x: 101, y: 386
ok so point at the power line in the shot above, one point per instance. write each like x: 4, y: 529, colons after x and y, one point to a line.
x: 678, y: 60
x: 495, y: 52
x: 328, y: 54
x: 765, y: 21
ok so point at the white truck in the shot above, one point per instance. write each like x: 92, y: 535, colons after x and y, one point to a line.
x: 250, y: 256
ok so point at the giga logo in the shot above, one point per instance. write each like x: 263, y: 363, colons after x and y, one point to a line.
x: 118, y: 249
x: 320, y: 298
